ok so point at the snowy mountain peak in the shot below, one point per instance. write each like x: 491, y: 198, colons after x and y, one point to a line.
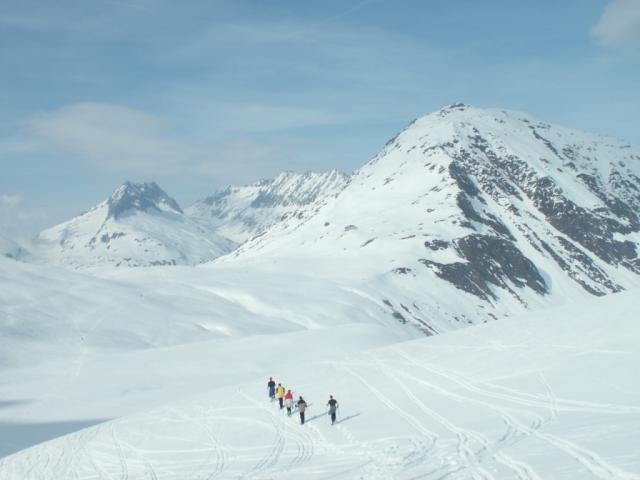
x: 140, y: 197
x: 138, y: 225
x: 242, y: 212
x: 493, y: 206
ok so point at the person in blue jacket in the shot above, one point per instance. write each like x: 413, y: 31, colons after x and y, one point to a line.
x: 271, y: 385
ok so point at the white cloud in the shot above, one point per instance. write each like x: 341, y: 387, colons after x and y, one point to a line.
x: 259, y: 117
x: 112, y: 137
x: 120, y: 139
x: 9, y: 200
x: 619, y: 25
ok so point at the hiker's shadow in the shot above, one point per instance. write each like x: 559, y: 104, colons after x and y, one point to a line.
x: 310, y: 419
x: 340, y: 420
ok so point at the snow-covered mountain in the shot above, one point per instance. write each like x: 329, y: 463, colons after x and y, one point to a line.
x: 242, y: 212
x: 467, y: 215
x: 138, y: 225
x: 470, y: 214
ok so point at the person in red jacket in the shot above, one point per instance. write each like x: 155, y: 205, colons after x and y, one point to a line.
x: 288, y: 400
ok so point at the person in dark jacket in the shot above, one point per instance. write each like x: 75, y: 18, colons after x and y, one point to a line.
x: 302, y: 406
x: 271, y: 385
x: 333, y: 408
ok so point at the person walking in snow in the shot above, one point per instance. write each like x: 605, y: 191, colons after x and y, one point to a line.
x: 271, y: 386
x: 280, y: 395
x: 333, y: 408
x: 288, y: 401
x: 302, y: 406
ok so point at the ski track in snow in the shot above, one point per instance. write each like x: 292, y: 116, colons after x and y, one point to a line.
x: 464, y: 449
x: 595, y: 464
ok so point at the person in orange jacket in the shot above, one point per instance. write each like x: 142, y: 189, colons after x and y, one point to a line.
x: 280, y: 395
x: 288, y: 401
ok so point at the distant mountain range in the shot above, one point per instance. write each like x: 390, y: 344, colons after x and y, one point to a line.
x: 506, y: 209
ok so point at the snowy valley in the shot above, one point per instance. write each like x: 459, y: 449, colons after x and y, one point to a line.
x: 469, y: 295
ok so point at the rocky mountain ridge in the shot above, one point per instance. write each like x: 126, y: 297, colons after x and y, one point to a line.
x: 492, y: 210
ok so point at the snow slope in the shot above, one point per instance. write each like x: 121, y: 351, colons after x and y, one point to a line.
x: 139, y: 225
x: 551, y: 395
x: 472, y: 214
x: 74, y: 347
x: 242, y: 212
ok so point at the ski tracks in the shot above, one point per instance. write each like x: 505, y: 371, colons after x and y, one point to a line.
x: 304, y: 442
x: 432, y: 438
x: 591, y: 461
x: 465, y: 437
x: 218, y: 456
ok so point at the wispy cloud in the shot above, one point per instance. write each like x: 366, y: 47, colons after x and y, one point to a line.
x: 134, y: 143
x: 619, y: 25
x: 246, y: 117
x: 111, y: 137
x: 9, y: 200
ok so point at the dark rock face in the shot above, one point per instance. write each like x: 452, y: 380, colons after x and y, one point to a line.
x: 402, y: 270
x: 491, y: 261
x: 480, y: 169
x: 593, y: 230
x: 436, y: 245
x: 139, y: 196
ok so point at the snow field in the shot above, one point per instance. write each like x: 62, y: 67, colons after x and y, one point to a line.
x: 547, y: 396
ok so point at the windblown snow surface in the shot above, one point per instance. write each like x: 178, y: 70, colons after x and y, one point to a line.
x: 549, y: 395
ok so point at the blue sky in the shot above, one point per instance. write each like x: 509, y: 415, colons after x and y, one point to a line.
x: 200, y: 94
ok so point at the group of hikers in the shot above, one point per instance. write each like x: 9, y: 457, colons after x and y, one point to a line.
x: 285, y: 400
